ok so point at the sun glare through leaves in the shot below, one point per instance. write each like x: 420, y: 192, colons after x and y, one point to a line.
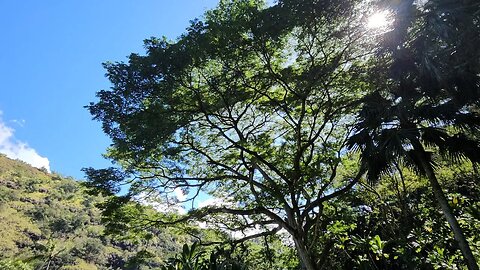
x: 380, y: 19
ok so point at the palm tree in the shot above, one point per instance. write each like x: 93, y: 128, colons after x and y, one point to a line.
x: 426, y: 97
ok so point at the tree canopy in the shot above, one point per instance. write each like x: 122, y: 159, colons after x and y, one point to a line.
x: 254, y: 105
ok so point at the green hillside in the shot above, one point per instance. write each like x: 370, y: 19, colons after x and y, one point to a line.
x: 47, y: 222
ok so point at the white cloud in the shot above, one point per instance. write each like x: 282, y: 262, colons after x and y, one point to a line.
x: 159, y: 204
x: 215, y: 201
x: 216, y: 224
x: 179, y: 194
x: 15, y: 149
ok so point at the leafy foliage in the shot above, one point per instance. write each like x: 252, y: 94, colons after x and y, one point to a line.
x: 430, y: 88
x: 429, y: 98
x: 252, y: 106
x: 192, y: 258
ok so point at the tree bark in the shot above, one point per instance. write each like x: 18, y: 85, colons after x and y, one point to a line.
x: 447, y: 210
x: 305, y: 258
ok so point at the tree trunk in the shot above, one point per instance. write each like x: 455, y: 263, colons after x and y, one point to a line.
x: 447, y: 211
x: 305, y: 258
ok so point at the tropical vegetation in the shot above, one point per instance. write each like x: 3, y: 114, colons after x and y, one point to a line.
x: 320, y: 139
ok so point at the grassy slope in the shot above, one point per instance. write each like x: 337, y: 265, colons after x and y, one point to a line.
x: 47, y: 220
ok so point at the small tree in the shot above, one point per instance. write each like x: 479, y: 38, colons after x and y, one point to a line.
x: 252, y: 106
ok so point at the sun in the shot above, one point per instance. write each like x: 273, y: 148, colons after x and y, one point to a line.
x: 379, y: 19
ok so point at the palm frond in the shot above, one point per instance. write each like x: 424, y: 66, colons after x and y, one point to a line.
x: 459, y: 147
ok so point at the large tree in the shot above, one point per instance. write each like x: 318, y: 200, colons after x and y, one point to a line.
x: 253, y: 105
x: 427, y: 98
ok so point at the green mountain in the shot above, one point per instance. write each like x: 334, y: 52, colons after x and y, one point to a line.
x: 48, y: 222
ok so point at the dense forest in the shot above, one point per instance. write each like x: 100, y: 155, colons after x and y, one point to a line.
x: 322, y: 139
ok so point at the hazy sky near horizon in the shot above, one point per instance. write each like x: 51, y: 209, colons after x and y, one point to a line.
x: 50, y: 67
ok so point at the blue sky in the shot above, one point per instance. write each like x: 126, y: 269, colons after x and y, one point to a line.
x: 50, y: 67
